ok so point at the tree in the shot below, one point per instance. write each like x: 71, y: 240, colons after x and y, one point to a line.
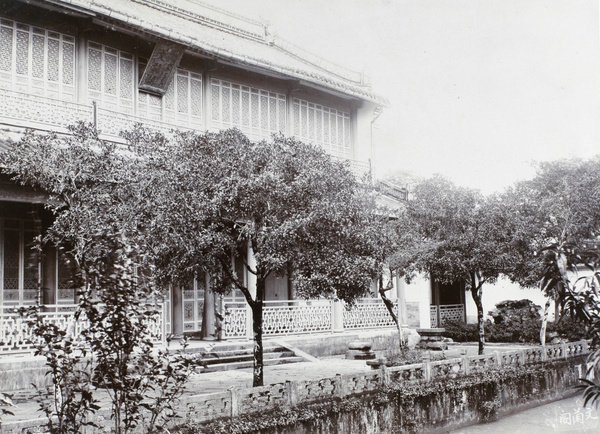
x: 453, y: 235
x: 557, y: 211
x: 282, y: 207
x: 94, y: 196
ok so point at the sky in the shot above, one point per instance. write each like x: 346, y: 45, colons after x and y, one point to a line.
x: 478, y: 89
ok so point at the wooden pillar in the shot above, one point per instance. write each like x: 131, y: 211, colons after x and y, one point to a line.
x: 463, y: 301
x: 49, y: 276
x: 208, y: 316
x: 402, y: 311
x: 337, y: 316
x: 177, y: 312
x: 289, y: 97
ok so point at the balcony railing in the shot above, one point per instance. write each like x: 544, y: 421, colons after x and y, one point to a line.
x: 17, y: 335
x: 305, y: 316
x: 48, y: 114
x: 449, y: 312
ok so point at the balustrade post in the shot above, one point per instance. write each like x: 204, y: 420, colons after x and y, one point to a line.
x: 340, y: 386
x: 337, y: 316
x: 427, y: 366
x: 291, y: 390
x: 233, y: 392
x: 465, y: 360
x: 384, y: 374
x: 584, y: 346
x: 497, y: 358
x: 564, y: 350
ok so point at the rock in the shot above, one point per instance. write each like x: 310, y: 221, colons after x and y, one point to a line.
x: 359, y: 345
x: 435, y: 346
x: 359, y: 350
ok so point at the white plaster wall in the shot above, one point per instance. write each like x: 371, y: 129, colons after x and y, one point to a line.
x: 503, y: 290
x: 419, y: 290
x: 362, y: 140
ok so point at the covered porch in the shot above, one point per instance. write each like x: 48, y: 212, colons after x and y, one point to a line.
x: 281, y: 318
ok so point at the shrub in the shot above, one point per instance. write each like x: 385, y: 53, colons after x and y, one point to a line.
x: 460, y: 331
x: 515, y: 321
x: 568, y: 328
x: 407, y: 356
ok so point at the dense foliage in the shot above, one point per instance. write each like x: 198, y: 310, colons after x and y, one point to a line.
x: 95, y: 197
x: 517, y: 321
x: 282, y: 208
x: 454, y: 234
x: 163, y: 211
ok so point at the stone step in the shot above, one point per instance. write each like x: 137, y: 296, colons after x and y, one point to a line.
x: 225, y: 356
x: 250, y: 363
x: 221, y: 359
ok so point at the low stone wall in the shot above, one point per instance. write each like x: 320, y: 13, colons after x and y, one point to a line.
x: 436, y: 406
x: 380, y: 398
x: 17, y: 374
x: 237, y: 402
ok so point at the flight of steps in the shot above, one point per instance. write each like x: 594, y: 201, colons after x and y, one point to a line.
x: 223, y: 357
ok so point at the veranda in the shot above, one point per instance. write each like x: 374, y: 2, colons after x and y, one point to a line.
x: 289, y: 317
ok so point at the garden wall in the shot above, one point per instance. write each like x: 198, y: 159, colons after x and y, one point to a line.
x: 426, y: 397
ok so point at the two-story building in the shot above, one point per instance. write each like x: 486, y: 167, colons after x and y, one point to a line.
x: 168, y: 65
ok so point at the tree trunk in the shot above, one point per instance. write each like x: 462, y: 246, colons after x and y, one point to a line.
x: 544, y: 323
x: 257, y: 326
x: 390, y: 307
x: 476, y: 294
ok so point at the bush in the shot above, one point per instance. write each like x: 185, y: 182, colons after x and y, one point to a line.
x: 567, y: 328
x: 515, y: 321
x: 460, y: 331
x: 407, y: 356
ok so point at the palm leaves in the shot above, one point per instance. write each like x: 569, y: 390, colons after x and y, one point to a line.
x: 572, y: 278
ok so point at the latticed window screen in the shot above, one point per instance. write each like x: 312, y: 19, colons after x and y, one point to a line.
x: 236, y: 295
x: 19, y: 266
x: 327, y: 127
x: 65, y: 289
x: 110, y: 77
x: 257, y: 112
x: 37, y: 61
x: 193, y: 304
x: 182, y: 104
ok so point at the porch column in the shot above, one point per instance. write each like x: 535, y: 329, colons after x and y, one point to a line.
x: 177, y: 314
x: 251, y: 281
x: 48, y: 275
x: 402, y: 311
x: 337, y: 316
x: 208, y: 317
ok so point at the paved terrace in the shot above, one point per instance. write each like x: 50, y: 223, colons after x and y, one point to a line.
x: 211, y: 382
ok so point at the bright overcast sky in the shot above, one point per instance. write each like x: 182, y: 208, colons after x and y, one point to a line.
x: 478, y: 89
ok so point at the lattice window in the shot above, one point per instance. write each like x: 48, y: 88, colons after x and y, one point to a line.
x: 110, y: 77
x: 65, y: 288
x: 19, y: 268
x: 257, y: 112
x: 325, y: 126
x: 181, y: 105
x: 236, y: 295
x: 36, y: 61
x: 193, y: 304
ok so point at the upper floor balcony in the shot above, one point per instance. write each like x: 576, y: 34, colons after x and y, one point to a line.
x: 22, y: 110
x: 49, y: 80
